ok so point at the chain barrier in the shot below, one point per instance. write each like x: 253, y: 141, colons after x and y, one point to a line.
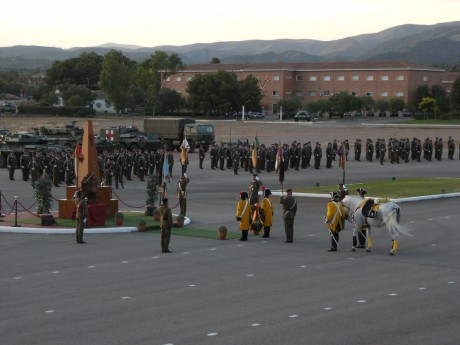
x: 130, y: 206
x: 28, y: 209
x: 12, y: 206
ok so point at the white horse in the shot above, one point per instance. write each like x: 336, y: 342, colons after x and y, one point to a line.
x: 387, y: 216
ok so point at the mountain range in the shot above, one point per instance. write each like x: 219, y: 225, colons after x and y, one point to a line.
x: 422, y: 44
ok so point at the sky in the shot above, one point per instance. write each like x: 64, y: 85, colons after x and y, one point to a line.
x: 85, y: 23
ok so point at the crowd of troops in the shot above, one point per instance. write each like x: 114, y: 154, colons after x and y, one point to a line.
x: 114, y: 167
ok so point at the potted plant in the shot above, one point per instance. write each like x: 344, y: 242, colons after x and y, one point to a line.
x: 222, y: 232
x: 141, y: 225
x: 156, y: 214
x: 42, y: 194
x: 152, y: 194
x: 119, y: 218
x: 180, y: 220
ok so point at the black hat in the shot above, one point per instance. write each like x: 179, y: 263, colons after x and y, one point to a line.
x: 334, y: 196
x: 267, y: 192
x: 244, y: 195
x: 361, y: 191
x: 165, y: 201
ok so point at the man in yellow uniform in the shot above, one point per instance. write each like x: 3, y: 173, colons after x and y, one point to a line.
x: 267, y: 207
x: 335, y: 219
x: 243, y: 215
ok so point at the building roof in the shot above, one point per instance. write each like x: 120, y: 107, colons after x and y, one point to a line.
x: 312, y: 66
x: 450, y: 77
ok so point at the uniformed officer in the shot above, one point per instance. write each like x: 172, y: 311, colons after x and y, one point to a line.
x: 165, y: 226
x: 243, y: 215
x: 335, y: 219
x: 81, y: 216
x: 289, y: 211
x: 254, y: 187
x: 11, y: 162
x: 267, y: 207
x: 182, y: 193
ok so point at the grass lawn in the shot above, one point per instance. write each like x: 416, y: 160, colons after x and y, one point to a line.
x: 396, y: 188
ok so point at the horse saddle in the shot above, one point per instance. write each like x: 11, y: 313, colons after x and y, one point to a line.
x: 369, y: 210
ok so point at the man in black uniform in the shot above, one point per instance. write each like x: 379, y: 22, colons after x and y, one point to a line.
x: 11, y: 163
x: 329, y: 155
x: 201, y: 155
x: 358, y: 150
x: 318, y: 153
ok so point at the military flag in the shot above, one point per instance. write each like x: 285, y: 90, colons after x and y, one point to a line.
x: 254, y: 152
x: 342, y: 156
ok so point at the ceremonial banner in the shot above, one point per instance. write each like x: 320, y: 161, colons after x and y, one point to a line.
x: 342, y: 157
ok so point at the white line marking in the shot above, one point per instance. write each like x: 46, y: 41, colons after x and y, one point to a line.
x: 212, y: 334
x: 16, y: 278
x: 213, y: 249
x: 433, y: 244
x: 327, y: 308
x: 303, y: 266
x: 49, y: 311
x: 351, y: 258
x: 186, y: 253
x: 430, y: 219
x: 126, y: 297
x: 393, y: 294
x: 124, y: 262
x: 155, y: 257
x: 311, y: 235
x: 447, y: 217
x: 293, y: 316
x: 264, y: 241
x: 192, y: 285
x: 451, y: 282
x: 91, y: 266
x: 250, y: 275
x: 255, y: 325
x: 56, y: 272
x: 361, y: 301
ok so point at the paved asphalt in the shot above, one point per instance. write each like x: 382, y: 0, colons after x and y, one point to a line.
x: 119, y: 288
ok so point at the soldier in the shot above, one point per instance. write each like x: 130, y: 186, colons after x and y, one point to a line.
x: 69, y: 171
x: 56, y: 171
x: 170, y: 157
x: 34, y: 169
x: 303, y: 154
x: 418, y: 149
x: 267, y: 207
x: 214, y: 153
x: 11, y: 162
x: 81, y: 216
x: 117, y: 173
x: 142, y: 167
x: 439, y: 147
x: 369, y: 150
x: 201, y: 155
x: 222, y: 155
x: 346, y: 144
x: 318, y: 153
x: 289, y: 211
x: 450, y: 148
x: 361, y: 232
x: 309, y: 153
x: 24, y: 161
x: 343, y: 191
x: 297, y: 151
x: 108, y: 172
x: 335, y: 147
x: 358, y: 150
x: 335, y: 219
x: 165, y: 226
x: 382, y: 151
x: 236, y: 159
x: 329, y: 155
x: 254, y: 187
x: 243, y: 215
x: 182, y: 193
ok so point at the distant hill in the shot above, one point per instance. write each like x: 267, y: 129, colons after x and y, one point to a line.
x: 424, y: 44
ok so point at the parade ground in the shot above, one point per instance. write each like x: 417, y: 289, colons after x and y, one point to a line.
x: 119, y: 288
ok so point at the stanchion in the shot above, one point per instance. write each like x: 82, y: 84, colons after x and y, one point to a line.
x: 1, y: 206
x: 16, y: 212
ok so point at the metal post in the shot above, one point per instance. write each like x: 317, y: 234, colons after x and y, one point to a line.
x: 1, y: 206
x: 16, y: 212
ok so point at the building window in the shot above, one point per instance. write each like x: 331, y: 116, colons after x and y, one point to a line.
x: 275, y: 93
x: 312, y: 93
x: 299, y: 93
x: 288, y: 92
x: 425, y: 78
x: 340, y: 77
x: 289, y: 77
x: 383, y: 94
x: 384, y: 77
x: 178, y: 78
x: 399, y: 94
x: 276, y: 78
x: 189, y: 78
x: 369, y: 93
x: 369, y: 77
x: 299, y: 78
x: 355, y: 77
x: 326, y: 78
x: 400, y: 77
x: 312, y: 78
x: 326, y: 93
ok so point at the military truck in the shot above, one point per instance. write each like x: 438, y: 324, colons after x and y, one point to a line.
x: 174, y: 130
x: 130, y: 138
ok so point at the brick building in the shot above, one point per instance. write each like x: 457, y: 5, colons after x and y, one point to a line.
x: 314, y: 80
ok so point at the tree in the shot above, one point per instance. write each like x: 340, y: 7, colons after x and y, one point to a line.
x: 170, y: 100
x: 319, y: 107
x: 344, y: 102
x: 421, y: 92
x: 455, y: 94
x: 214, y: 94
x: 290, y: 106
x: 116, y: 78
x: 80, y: 94
x: 427, y: 104
x: 382, y: 104
x: 153, y: 74
x: 250, y: 94
x: 215, y: 60
x: 397, y: 104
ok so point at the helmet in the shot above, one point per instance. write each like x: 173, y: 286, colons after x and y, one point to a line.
x: 361, y: 191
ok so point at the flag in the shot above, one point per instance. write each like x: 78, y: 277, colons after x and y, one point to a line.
x: 77, y: 157
x: 184, y: 150
x: 254, y: 152
x: 279, y: 164
x: 342, y: 156
x: 165, y: 172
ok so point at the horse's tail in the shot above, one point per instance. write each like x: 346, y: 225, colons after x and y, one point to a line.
x: 393, y: 226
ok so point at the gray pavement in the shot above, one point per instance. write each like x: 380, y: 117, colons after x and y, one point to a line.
x: 119, y: 288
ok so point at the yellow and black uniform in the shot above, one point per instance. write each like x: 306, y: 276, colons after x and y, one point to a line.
x: 243, y: 215
x: 267, y: 207
x: 166, y: 223
x: 335, y: 220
